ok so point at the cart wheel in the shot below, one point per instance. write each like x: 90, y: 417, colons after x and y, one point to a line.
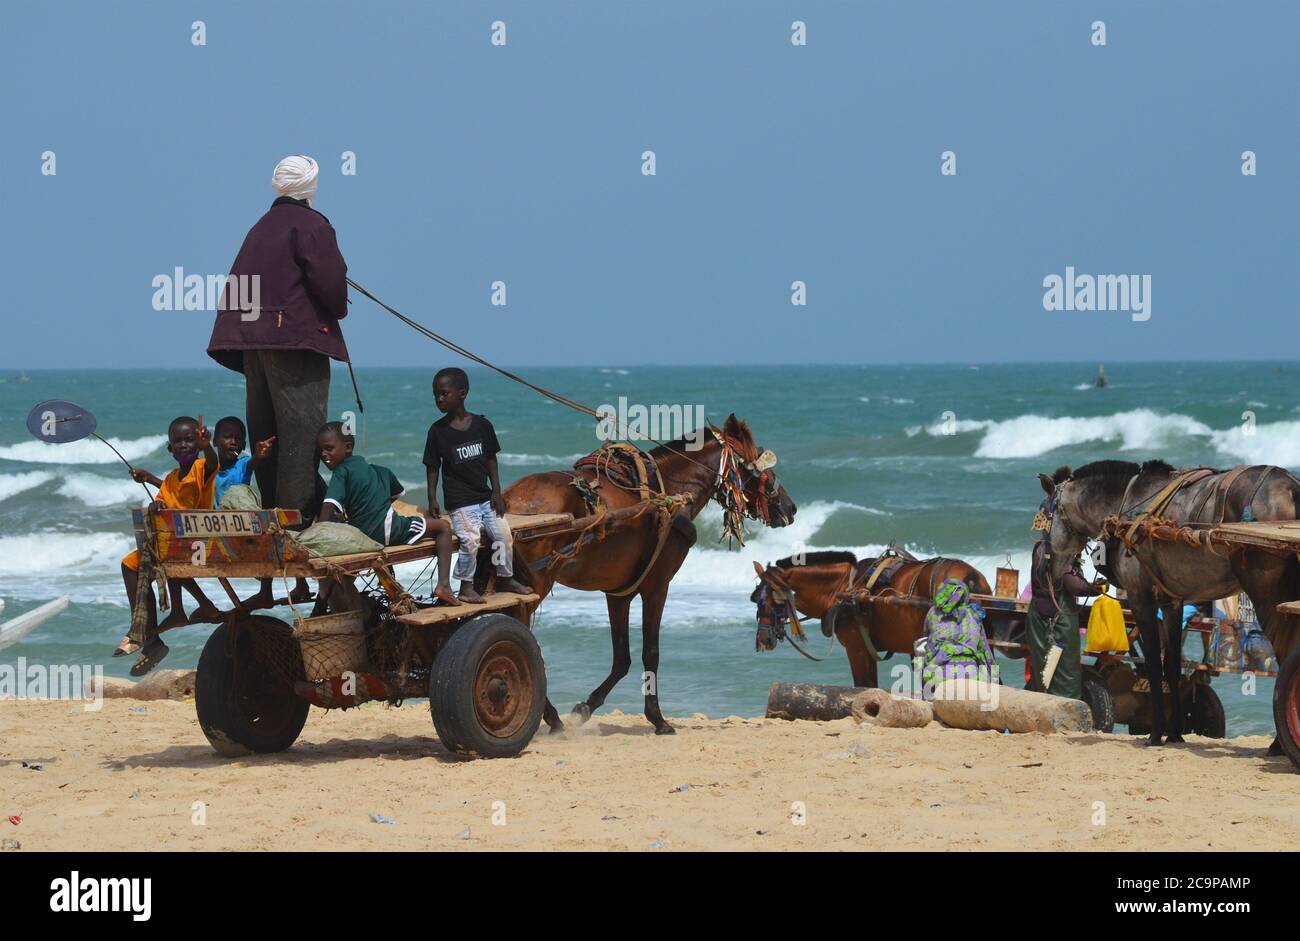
x: 487, y: 687
x: 1286, y: 706
x: 1097, y: 695
x: 243, y: 705
x: 1205, y: 712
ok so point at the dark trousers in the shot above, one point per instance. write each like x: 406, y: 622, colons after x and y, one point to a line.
x: 287, y: 396
x: 1063, y: 629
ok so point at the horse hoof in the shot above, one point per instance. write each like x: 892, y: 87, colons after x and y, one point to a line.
x: 557, y: 728
x: 1154, y: 742
x: 663, y: 728
x: 582, y: 711
x: 1174, y: 740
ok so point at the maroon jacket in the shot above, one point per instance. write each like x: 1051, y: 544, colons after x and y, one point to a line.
x: 304, y: 291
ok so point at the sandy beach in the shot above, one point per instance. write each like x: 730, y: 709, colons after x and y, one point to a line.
x: 129, y: 777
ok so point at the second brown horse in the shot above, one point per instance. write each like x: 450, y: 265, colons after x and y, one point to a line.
x: 813, y: 581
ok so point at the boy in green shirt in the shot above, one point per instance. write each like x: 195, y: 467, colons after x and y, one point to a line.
x: 364, y: 493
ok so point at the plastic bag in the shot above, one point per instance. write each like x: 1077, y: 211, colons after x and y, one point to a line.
x: 1106, y: 631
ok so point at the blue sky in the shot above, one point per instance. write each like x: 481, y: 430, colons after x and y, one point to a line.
x: 775, y: 163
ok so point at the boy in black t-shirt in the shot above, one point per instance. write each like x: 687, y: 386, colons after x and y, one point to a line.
x: 464, y: 447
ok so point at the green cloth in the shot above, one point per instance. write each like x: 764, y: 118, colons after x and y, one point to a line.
x: 1042, y: 632
x: 365, y: 492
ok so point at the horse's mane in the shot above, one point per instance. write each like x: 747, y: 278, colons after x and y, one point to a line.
x: 825, y: 557
x: 679, y: 444
x: 1111, y: 471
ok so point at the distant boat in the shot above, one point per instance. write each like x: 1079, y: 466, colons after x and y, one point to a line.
x: 1101, y: 381
x: 23, y: 378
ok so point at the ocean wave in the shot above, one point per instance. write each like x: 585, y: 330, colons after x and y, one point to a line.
x: 53, y: 553
x: 527, y: 460
x: 13, y: 484
x: 1033, y: 435
x: 86, y: 451
x: 98, y: 490
x: 1274, y: 443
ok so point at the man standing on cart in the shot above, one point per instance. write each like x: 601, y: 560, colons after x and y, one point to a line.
x: 283, y: 330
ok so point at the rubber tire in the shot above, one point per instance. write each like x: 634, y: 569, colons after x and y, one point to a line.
x: 270, y: 724
x: 1205, y: 716
x: 1097, y: 695
x: 1286, y: 699
x: 451, y: 687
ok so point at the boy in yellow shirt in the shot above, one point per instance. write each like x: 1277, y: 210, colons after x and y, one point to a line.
x: 189, y: 487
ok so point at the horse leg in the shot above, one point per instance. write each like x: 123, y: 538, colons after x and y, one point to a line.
x: 1269, y: 581
x: 1173, y: 665
x: 1144, y: 611
x: 619, y: 610
x: 860, y: 661
x: 652, y: 609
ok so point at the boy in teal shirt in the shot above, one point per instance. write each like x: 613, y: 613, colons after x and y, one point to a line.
x: 364, y: 493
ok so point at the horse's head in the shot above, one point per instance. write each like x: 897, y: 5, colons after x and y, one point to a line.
x: 816, y: 577
x: 774, y: 598
x: 1076, y: 504
x: 748, y: 468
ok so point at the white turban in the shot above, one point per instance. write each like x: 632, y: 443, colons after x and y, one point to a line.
x: 296, y: 177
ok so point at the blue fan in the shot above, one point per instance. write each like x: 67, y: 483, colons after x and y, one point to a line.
x: 58, y: 422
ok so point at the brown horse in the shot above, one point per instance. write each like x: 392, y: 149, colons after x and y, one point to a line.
x: 632, y: 559
x: 812, y: 581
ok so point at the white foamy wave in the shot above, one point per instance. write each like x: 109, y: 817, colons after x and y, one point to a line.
x: 712, y: 566
x: 1084, y: 386
x: 1032, y: 435
x: 49, y: 553
x: 86, y: 451
x: 1274, y: 443
x: 524, y: 460
x: 97, y: 490
x: 13, y: 484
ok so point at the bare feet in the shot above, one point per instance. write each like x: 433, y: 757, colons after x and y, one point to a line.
x: 176, y: 619
x: 207, y: 614
x: 512, y: 585
x: 265, y: 598
x: 468, y: 594
x: 444, y: 594
x: 125, y: 646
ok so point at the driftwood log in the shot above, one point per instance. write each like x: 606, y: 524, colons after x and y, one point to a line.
x: 968, y: 704
x: 883, y: 708
x: 161, y: 684
x: 811, y: 701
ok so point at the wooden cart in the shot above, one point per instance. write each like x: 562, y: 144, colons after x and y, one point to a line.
x: 479, y: 664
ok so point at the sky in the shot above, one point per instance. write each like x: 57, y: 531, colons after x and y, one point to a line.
x: 775, y: 163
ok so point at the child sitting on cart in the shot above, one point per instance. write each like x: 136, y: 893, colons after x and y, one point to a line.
x: 188, y: 487
x: 464, y: 447
x: 364, y: 493
x: 236, y: 470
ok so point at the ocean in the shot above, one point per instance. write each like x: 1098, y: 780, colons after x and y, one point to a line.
x: 866, y: 452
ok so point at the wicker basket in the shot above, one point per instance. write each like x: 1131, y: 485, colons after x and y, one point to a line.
x: 332, y: 644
